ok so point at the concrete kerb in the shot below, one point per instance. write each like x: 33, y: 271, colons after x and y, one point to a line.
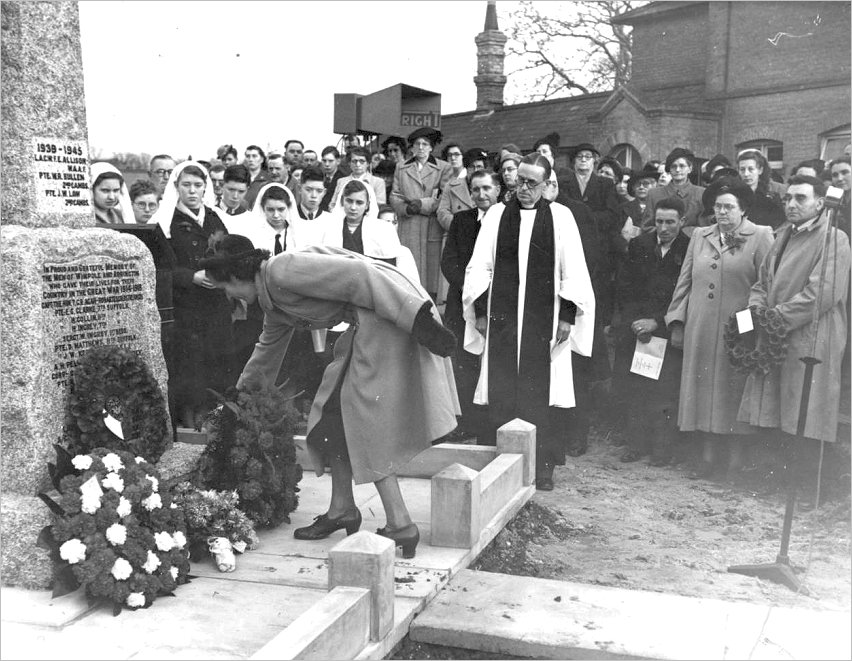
x: 462, y: 476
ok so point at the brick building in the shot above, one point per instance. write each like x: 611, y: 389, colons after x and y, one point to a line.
x: 710, y: 76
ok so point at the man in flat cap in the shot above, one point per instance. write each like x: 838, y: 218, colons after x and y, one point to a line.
x: 679, y: 164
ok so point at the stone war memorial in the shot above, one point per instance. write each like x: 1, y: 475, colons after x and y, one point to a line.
x: 67, y: 286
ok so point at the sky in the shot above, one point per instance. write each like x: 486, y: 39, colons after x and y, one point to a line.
x: 185, y: 77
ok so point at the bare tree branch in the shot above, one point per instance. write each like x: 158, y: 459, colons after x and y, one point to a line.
x: 568, y: 48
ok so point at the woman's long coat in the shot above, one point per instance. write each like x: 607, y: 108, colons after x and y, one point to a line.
x: 714, y: 282
x: 421, y: 233
x: 793, y: 288
x: 395, y: 397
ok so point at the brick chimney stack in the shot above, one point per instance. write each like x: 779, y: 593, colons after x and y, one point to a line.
x: 490, y: 54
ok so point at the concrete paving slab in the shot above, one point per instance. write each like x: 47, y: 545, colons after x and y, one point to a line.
x: 542, y: 618
x: 38, y: 607
x: 404, y: 611
x: 206, y: 619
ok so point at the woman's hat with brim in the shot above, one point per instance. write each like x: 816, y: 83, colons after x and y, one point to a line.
x: 728, y: 185
x: 583, y: 146
x: 230, y: 249
x: 724, y: 171
x: 432, y: 135
x: 475, y: 154
x: 648, y: 172
x: 679, y: 152
x: 551, y: 139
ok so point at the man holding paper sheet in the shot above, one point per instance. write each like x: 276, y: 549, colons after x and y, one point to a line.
x: 644, y: 289
x: 528, y: 302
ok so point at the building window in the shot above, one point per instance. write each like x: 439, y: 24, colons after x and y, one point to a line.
x: 627, y: 155
x: 771, y: 149
x: 833, y: 143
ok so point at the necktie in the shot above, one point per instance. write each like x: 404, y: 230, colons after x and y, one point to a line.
x: 310, y: 215
x: 278, y: 247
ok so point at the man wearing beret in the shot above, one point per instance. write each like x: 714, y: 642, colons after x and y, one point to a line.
x: 679, y: 164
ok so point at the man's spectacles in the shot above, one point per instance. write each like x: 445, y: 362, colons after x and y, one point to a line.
x: 164, y: 174
x: 146, y: 206
x: 523, y: 182
x: 584, y: 156
x: 358, y: 161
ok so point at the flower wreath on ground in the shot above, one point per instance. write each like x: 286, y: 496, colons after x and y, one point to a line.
x: 251, y: 451
x: 770, y: 348
x: 115, y: 533
x: 113, y: 384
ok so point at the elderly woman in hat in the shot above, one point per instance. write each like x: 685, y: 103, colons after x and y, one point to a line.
x: 417, y: 186
x: 387, y: 393
x: 679, y: 164
x: 721, y: 265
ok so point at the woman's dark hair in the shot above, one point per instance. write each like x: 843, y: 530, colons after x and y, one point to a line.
x: 193, y: 170
x: 449, y: 146
x: 224, y: 150
x: 262, y: 155
x: 234, y: 256
x: 108, y: 175
x: 760, y: 159
x: 276, y: 193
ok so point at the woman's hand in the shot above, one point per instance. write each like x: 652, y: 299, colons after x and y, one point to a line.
x: 482, y: 325
x: 200, y: 278
x: 563, y: 331
x: 676, y: 334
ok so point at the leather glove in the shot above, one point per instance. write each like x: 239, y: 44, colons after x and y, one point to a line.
x: 413, y: 207
x: 432, y: 334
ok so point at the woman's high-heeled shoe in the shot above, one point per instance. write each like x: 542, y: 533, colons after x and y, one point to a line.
x: 323, y: 525
x: 407, y: 537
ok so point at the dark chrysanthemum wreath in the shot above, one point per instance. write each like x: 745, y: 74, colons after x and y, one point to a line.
x: 116, y: 380
x: 770, y: 348
x: 251, y: 451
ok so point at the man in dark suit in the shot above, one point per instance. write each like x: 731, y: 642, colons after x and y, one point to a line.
x: 461, y: 237
x: 330, y: 162
x: 644, y: 291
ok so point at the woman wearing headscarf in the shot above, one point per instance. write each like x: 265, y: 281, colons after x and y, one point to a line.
x: 203, y: 342
x: 721, y: 264
x: 109, y: 195
x: 388, y: 392
x: 417, y: 185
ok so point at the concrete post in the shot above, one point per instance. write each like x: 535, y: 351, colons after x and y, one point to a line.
x: 365, y: 560
x: 456, y: 518
x: 518, y: 437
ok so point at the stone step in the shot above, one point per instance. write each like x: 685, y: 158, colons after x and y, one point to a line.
x: 549, y: 619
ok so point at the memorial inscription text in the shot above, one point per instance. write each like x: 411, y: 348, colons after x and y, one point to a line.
x: 91, y: 297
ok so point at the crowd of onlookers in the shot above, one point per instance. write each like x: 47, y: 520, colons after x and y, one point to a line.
x: 673, y: 252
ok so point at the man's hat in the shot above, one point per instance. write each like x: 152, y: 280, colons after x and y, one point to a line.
x: 724, y: 171
x: 648, y: 172
x: 432, y: 135
x: 583, y: 146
